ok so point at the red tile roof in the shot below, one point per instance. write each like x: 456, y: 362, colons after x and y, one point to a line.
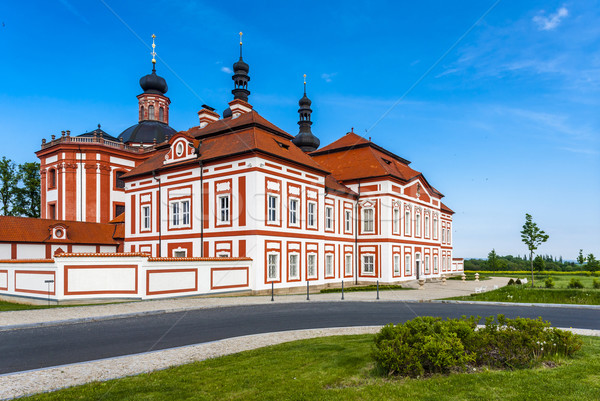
x: 27, y: 229
x: 445, y: 208
x: 332, y: 184
x: 254, y: 135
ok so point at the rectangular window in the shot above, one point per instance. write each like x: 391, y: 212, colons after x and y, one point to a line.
x: 418, y: 225
x: 348, y: 220
x: 293, y: 266
x: 426, y: 264
x: 396, y: 222
x: 146, y: 217
x: 443, y: 235
x: 311, y: 218
x: 52, y: 211
x: 328, y: 218
x: 448, y: 235
x: 180, y: 253
x: 119, y: 209
x: 435, y: 227
x: 368, y: 226
x: 427, y: 226
x: 348, y: 265
x: 329, y: 265
x: 293, y: 212
x: 368, y: 265
x: 407, y: 222
x: 311, y: 268
x: 407, y: 266
x: 435, y: 264
x: 272, y: 264
x: 180, y: 213
x: 223, y: 212
x: 396, y: 265
x: 119, y: 180
x: 272, y: 209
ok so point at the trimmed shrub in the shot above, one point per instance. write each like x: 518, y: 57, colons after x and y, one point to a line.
x: 428, y: 345
x: 511, y: 282
x: 596, y: 284
x: 549, y: 282
x: 575, y: 283
x: 518, y: 281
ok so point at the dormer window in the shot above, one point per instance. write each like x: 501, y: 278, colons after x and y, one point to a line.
x: 179, y: 149
x: 59, y: 232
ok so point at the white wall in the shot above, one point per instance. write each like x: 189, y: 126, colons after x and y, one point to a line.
x: 31, y: 251
x: 5, y: 252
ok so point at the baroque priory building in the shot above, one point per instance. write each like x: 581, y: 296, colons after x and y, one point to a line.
x: 237, y: 185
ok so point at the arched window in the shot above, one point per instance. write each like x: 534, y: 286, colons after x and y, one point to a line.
x: 141, y: 113
x: 151, y: 112
x: 161, y: 114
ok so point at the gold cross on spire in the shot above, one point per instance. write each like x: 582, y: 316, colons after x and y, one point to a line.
x: 153, y: 50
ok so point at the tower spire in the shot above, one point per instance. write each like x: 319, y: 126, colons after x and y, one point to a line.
x: 305, y: 139
x: 153, y: 53
x: 241, y: 33
x: 240, y: 77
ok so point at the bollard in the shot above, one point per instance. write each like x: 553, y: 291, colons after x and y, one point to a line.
x: 307, y: 296
x: 377, y: 289
x: 342, y: 290
x: 272, y: 289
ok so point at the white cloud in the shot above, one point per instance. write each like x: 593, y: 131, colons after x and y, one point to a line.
x: 328, y: 77
x: 73, y: 11
x: 226, y: 70
x: 552, y: 21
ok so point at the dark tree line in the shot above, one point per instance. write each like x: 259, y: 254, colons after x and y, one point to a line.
x: 19, y: 188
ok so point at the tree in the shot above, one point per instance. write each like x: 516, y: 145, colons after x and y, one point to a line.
x: 539, y: 263
x: 592, y: 263
x: 580, y: 258
x: 533, y: 237
x: 493, y: 260
x: 8, y: 186
x: 27, y: 202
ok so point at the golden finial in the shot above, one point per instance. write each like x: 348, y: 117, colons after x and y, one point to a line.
x: 304, y: 84
x: 241, y: 44
x: 241, y: 37
x: 153, y: 50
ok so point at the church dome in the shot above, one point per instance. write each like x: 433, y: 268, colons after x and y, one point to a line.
x: 240, y: 66
x: 153, y: 83
x: 304, y: 101
x: 146, y: 132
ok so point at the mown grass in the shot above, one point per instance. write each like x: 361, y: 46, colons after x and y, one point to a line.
x: 13, y: 306
x: 560, y: 280
x: 526, y: 294
x: 340, y: 368
x: 370, y: 287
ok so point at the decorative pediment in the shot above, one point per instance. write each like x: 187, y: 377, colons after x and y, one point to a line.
x: 418, y: 190
x: 367, y: 204
x: 182, y: 148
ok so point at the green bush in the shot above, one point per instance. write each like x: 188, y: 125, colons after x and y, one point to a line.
x: 511, y: 282
x: 518, y: 281
x: 428, y: 345
x: 575, y: 283
x: 596, y: 283
x: 549, y: 282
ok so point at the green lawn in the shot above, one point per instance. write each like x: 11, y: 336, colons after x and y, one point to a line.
x: 526, y: 294
x: 12, y: 306
x: 340, y: 368
x: 560, y: 280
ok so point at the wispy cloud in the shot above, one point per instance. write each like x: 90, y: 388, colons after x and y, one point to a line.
x: 74, y: 11
x: 581, y: 151
x: 226, y: 70
x: 550, y: 22
x: 328, y: 77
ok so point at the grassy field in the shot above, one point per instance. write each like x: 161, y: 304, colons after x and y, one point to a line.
x: 560, y: 280
x: 340, y: 368
x: 526, y: 294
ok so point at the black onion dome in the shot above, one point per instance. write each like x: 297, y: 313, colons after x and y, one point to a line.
x: 147, y: 131
x: 153, y: 83
x: 241, y: 65
x: 306, y: 141
x: 304, y: 101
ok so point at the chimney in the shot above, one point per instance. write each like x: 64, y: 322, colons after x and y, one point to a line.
x: 207, y: 115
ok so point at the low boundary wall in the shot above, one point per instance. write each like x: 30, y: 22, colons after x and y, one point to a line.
x: 122, y: 275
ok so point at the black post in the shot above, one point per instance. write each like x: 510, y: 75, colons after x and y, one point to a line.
x: 272, y: 287
x: 342, y: 290
x: 49, y: 282
x: 377, y: 289
x: 307, y: 296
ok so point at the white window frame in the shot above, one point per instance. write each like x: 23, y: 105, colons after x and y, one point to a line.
x: 407, y: 222
x: 418, y: 224
x: 272, y: 267
x: 223, y: 211
x: 272, y: 209
x: 435, y: 227
x: 348, y: 264
x: 368, y: 264
x: 180, y: 253
x: 146, y: 217
x: 293, y: 212
x: 311, y: 214
x: 435, y: 264
x: 311, y: 265
x: 426, y: 268
x: 348, y: 221
x: 396, y: 221
x: 426, y: 226
x: 179, y: 213
x: 443, y: 235
x: 396, y: 264
x: 329, y: 222
x: 295, y: 276
x: 407, y: 265
x: 448, y: 234
x: 418, y: 262
x: 329, y: 265
x: 368, y: 220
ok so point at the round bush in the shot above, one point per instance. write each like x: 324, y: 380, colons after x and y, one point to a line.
x: 549, y: 282
x: 575, y: 283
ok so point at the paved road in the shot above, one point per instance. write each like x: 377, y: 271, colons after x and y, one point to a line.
x: 27, y: 349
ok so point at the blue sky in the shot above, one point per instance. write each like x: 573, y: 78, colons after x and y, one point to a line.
x: 507, y: 123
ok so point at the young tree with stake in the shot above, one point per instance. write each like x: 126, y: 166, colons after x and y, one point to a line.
x: 533, y: 237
